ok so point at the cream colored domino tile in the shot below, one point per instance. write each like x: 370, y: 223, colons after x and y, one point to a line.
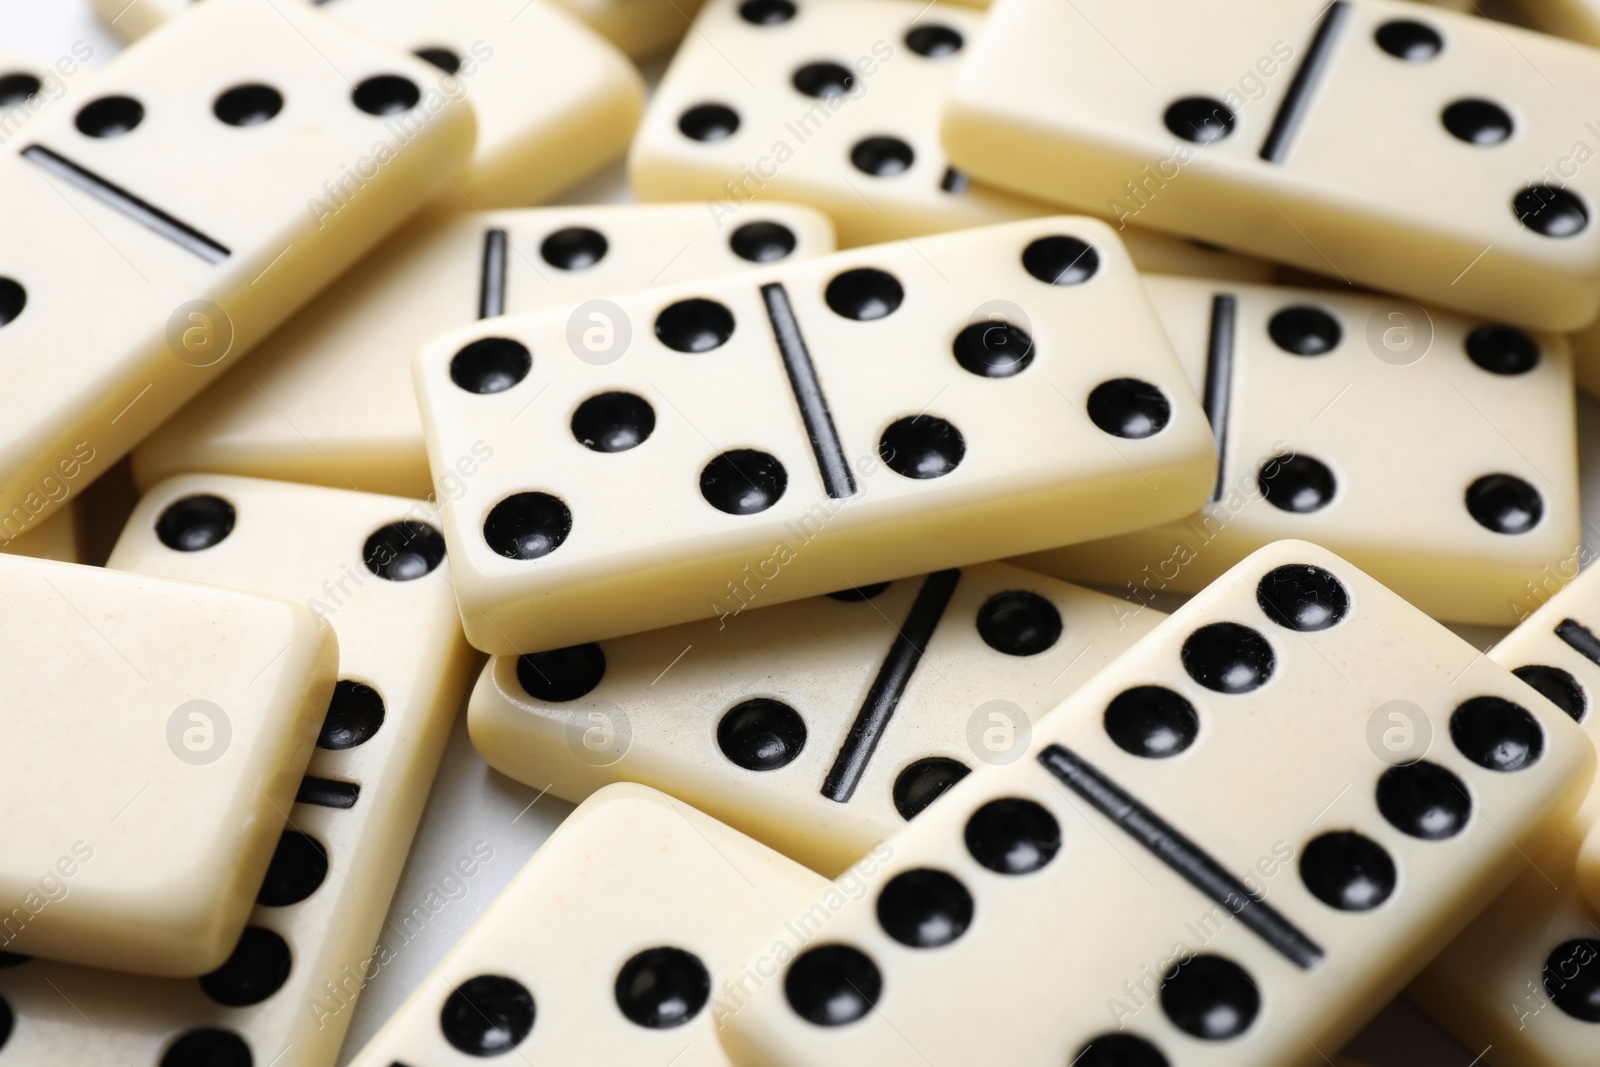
x: 913, y: 365
x: 156, y: 734
x: 1223, y: 782
x: 1414, y: 150
x: 286, y: 123
x: 328, y: 399
x: 818, y: 727
x: 375, y: 572
x: 1319, y: 401
x: 59, y: 537
x: 619, y: 943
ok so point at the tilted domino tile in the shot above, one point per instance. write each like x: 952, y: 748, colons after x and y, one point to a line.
x: 754, y: 105
x: 1311, y: 133
x: 817, y: 727
x: 1436, y: 452
x: 805, y: 427
x: 376, y: 573
x: 1216, y: 797
x: 616, y: 944
x: 328, y: 399
x: 292, y: 169
x: 156, y: 732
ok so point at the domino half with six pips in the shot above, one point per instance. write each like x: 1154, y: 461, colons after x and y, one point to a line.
x: 1202, y: 859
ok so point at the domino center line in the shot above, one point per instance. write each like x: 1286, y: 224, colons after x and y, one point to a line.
x: 837, y: 478
x: 894, y: 674
x: 492, y: 281
x: 1297, y: 101
x: 1182, y: 855
x: 1580, y: 639
x: 120, y: 200
x: 1219, y: 378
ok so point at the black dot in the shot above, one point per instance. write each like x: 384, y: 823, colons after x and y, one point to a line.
x: 1228, y: 658
x: 882, y: 156
x: 1502, y: 350
x: 1477, y: 122
x: 925, y: 781
x: 386, y: 94
x: 248, y: 105
x: 299, y: 864
x: 1299, y: 484
x: 1411, y: 41
x: 1210, y: 997
x: 1504, y: 503
x: 864, y: 294
x: 1550, y: 210
x: 574, y: 248
x: 491, y: 365
x: 208, y: 1048
x: 766, y: 12
x: 1424, y: 800
x: 1302, y: 597
x: 1151, y: 721
x: 354, y: 714
x: 694, y: 325
x: 761, y: 734
x: 257, y: 969
x: 1558, y: 687
x: 13, y: 298
x: 1019, y: 623
x: 613, y: 422
x: 832, y: 985
x: 743, y: 481
x: 1061, y: 260
x: 1495, y: 733
x: 1129, y: 408
x: 858, y: 593
x: 1304, y: 331
x: 1119, y: 1050
x: 824, y: 79
x: 934, y: 41
x: 922, y: 446
x: 1013, y: 836
x: 662, y: 987
x: 443, y: 58
x: 1200, y: 119
x: 403, y: 551
x: 762, y: 242
x: 487, y: 1015
x: 195, y: 523
x: 1348, y: 871
x: 16, y: 89
x: 527, y: 526
x: 993, y: 349
x: 1572, y: 978
x: 562, y: 674
x: 924, y: 908
x: 110, y: 116
x: 709, y: 122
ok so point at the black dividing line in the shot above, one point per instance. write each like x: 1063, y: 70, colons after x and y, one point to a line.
x: 492, y: 283
x: 831, y: 462
x: 1286, y: 123
x: 889, y: 686
x: 1581, y: 639
x: 118, y: 199
x: 1182, y: 855
x: 1219, y: 377
x: 955, y: 181
x: 327, y: 793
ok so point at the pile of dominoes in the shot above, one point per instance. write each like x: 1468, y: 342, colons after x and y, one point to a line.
x: 1039, y: 533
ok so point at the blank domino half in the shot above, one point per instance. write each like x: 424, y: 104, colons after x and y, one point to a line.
x: 618, y: 943
x: 1221, y: 783
x: 269, y: 107
x: 376, y: 574
x: 1436, y: 452
x: 142, y: 810
x: 835, y: 103
x: 817, y: 727
x: 806, y: 427
x: 1310, y: 133
x: 329, y: 399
